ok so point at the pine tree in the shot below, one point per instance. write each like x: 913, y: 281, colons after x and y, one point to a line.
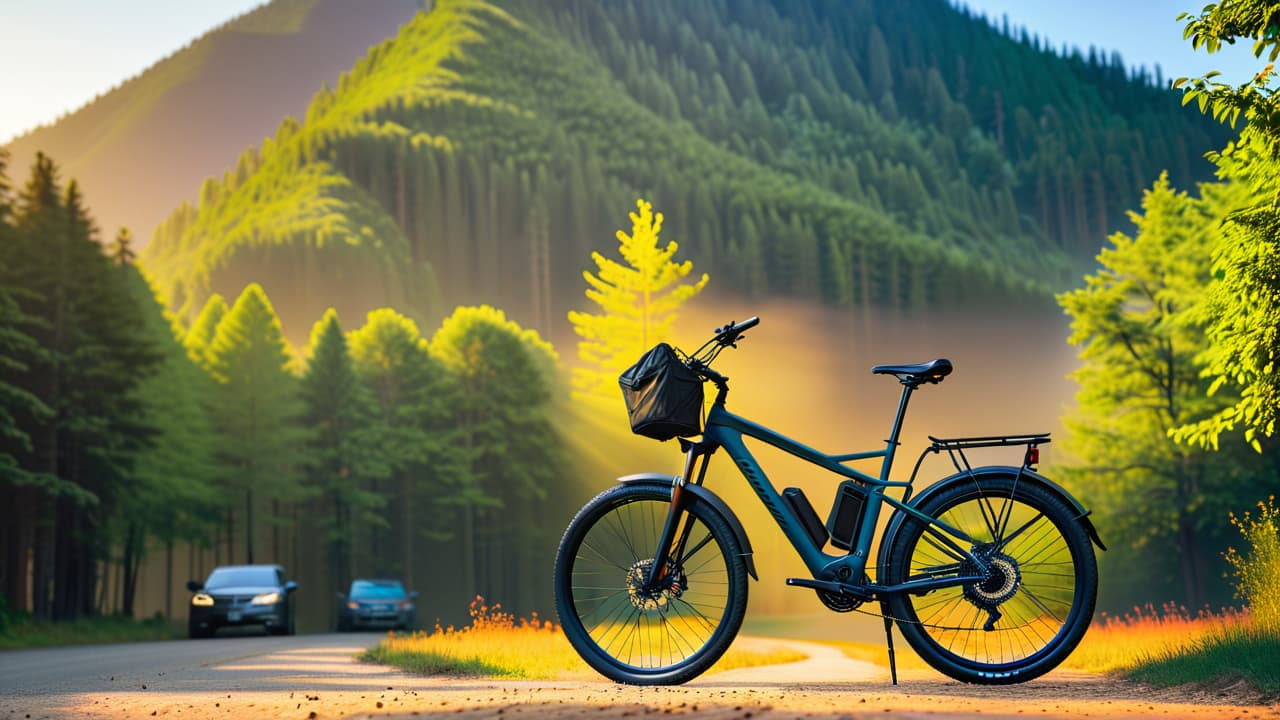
x: 343, y: 454
x: 172, y: 495
x: 1134, y: 321
x: 203, y: 330
x: 255, y: 409
x: 122, y: 249
x: 639, y: 302
x: 92, y: 356
x: 413, y: 396
x: 506, y: 374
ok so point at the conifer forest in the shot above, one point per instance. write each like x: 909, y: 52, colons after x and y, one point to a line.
x: 352, y: 350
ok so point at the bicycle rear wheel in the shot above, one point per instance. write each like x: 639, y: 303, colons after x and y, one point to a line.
x: 664, y: 635
x: 1036, y: 601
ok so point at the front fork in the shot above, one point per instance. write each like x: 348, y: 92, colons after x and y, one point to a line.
x: 675, y: 532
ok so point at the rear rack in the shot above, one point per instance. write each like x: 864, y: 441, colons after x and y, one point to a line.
x: 955, y: 447
x: 950, y: 444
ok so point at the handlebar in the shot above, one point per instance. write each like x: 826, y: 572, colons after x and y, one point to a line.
x: 727, y: 336
x: 730, y: 333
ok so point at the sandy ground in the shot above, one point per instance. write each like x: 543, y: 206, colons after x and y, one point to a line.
x: 320, y: 680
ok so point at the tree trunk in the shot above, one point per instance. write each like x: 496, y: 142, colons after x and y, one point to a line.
x: 168, y: 578
x: 1191, y: 582
x: 130, y: 571
x: 248, y: 525
x: 42, y: 565
x: 406, y: 523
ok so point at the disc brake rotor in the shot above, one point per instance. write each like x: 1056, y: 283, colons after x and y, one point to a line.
x: 656, y: 598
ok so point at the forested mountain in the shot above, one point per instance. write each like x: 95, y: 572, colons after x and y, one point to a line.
x: 144, y: 146
x: 895, y: 154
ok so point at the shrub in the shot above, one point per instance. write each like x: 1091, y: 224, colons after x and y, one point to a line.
x: 1257, y: 570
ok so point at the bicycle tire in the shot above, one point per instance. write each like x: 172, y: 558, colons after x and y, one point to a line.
x: 659, y: 639
x: 1030, y: 578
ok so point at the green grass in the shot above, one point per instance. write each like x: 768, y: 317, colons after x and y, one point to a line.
x: 1238, y: 653
x: 435, y: 663
x: 26, y: 632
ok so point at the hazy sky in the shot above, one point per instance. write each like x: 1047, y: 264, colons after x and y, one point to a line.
x: 59, y: 54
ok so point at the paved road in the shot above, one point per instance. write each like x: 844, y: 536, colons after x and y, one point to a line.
x: 48, y: 676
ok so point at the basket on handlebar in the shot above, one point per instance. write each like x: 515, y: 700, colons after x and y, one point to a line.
x: 664, y: 397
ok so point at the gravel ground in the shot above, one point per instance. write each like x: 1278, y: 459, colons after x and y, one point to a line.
x: 315, y: 677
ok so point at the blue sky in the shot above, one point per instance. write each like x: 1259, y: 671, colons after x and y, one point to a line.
x: 59, y: 54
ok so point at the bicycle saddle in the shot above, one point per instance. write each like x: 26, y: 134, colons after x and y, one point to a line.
x: 917, y: 373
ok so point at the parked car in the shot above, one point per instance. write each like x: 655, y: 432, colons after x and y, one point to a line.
x: 376, y: 604
x: 242, y: 595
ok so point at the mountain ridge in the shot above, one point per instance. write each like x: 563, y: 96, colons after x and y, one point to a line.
x: 857, y: 178
x: 142, y: 147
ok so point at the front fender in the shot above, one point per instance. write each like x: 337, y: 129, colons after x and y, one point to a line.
x: 1031, y: 476
x: 710, y: 499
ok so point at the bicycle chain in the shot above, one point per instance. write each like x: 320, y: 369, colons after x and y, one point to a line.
x: 916, y: 622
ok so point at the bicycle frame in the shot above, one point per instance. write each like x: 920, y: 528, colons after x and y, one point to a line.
x: 726, y: 430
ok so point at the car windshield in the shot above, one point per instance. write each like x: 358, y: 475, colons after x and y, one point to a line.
x: 366, y: 590
x: 244, y: 576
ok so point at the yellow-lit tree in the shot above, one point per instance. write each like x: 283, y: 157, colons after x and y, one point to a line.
x: 638, y: 300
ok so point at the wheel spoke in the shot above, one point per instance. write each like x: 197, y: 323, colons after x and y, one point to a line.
x: 637, y: 630
x: 1026, y: 537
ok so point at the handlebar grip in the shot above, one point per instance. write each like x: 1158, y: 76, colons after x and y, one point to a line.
x: 746, y: 324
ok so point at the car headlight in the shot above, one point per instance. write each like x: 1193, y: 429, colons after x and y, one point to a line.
x: 353, y: 605
x: 406, y: 604
x: 202, y: 600
x: 270, y: 598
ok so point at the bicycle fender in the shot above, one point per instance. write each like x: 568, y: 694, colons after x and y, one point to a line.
x: 1031, y: 476
x: 706, y: 497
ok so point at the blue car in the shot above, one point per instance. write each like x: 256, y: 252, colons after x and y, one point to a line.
x: 376, y: 604
x: 242, y: 595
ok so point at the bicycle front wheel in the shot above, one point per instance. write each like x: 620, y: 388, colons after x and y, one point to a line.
x: 642, y: 635
x: 1035, y: 601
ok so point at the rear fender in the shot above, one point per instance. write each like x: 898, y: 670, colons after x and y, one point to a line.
x: 1028, y: 476
x: 705, y: 497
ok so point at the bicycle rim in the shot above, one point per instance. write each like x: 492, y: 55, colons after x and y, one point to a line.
x: 1030, y: 593
x: 656, y: 630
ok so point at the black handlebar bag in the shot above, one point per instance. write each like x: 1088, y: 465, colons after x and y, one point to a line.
x: 664, y: 398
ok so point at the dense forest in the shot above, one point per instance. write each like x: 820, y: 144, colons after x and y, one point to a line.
x: 898, y: 156
x: 877, y: 154
x: 380, y: 451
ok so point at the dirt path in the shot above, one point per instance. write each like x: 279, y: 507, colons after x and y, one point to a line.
x: 318, y: 679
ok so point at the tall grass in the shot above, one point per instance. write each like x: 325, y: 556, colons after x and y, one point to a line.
x: 1122, y: 642
x: 498, y: 644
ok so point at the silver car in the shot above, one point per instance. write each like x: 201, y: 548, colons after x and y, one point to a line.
x: 242, y: 595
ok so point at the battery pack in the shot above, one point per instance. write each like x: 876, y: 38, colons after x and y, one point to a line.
x: 846, y: 514
x: 803, y: 511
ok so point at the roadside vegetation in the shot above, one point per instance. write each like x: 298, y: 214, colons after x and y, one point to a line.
x: 498, y: 644
x: 1248, y: 649
x: 21, y: 630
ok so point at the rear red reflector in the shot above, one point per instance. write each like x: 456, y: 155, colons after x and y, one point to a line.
x: 1033, y: 456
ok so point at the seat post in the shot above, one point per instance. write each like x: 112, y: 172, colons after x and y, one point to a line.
x: 892, y: 442
x: 902, y: 411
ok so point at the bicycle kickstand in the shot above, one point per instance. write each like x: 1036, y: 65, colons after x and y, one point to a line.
x: 888, y: 635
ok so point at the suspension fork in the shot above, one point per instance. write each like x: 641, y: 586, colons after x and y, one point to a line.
x: 671, y: 542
